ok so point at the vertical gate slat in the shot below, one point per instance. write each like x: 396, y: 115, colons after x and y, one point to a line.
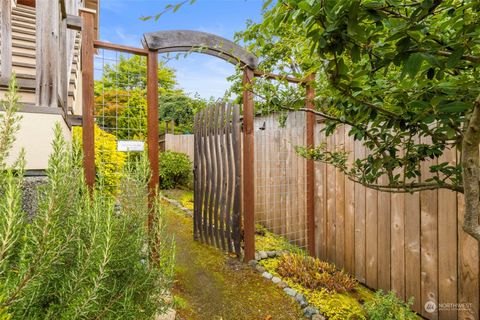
x: 217, y: 186
x: 196, y: 179
x: 236, y: 199
x: 199, y: 171
x: 229, y: 176
x: 216, y: 174
x: 223, y: 183
x: 206, y: 137
x: 211, y: 130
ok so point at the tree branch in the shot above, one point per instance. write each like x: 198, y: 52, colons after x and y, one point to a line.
x: 471, y: 173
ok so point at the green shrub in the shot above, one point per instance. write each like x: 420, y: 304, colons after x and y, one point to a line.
x: 389, y: 307
x: 79, y: 256
x: 175, y: 170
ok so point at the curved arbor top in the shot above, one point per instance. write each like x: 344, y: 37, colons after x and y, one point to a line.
x: 186, y: 40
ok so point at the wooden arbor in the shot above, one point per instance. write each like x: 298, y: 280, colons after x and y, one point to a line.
x: 192, y: 41
x: 196, y: 41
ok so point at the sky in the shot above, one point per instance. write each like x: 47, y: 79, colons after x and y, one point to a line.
x: 197, y: 73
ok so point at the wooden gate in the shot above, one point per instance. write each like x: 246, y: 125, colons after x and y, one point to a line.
x: 217, y: 218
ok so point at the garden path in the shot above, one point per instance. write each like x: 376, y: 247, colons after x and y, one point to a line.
x: 211, y: 285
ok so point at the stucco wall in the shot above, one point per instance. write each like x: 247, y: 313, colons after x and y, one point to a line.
x: 35, y: 136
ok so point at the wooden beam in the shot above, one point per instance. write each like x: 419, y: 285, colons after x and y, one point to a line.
x: 30, y: 3
x: 248, y: 166
x: 88, y: 132
x: 188, y: 41
x: 117, y: 47
x: 310, y: 170
x: 6, y: 37
x: 63, y: 64
x: 74, y: 22
x: 273, y: 76
x: 47, y: 51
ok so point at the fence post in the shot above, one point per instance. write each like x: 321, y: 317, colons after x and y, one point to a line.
x: 310, y: 166
x: 248, y: 166
x: 88, y: 122
x: 152, y: 129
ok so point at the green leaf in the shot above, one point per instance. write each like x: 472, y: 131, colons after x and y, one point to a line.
x: 355, y: 53
x: 304, y: 6
x: 455, y: 57
x: 266, y: 4
x: 454, y: 107
x: 178, y: 6
x: 413, y: 64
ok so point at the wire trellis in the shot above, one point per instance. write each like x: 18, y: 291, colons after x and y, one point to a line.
x: 280, y: 177
x: 120, y: 115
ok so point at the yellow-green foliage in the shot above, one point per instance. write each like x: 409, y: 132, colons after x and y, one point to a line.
x: 268, y: 241
x: 313, y: 273
x: 336, y: 306
x: 109, y: 162
x: 187, y: 200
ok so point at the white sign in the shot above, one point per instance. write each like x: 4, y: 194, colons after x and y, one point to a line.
x: 130, y: 145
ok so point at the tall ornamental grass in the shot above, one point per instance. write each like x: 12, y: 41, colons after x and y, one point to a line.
x: 79, y: 256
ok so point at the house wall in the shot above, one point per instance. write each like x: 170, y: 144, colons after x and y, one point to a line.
x: 35, y: 137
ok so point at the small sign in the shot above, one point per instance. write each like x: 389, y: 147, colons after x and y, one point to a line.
x: 130, y: 145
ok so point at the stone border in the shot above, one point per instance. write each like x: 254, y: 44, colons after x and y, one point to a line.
x: 177, y: 204
x: 309, y: 311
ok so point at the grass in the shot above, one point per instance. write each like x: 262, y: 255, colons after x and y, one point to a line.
x: 212, y: 285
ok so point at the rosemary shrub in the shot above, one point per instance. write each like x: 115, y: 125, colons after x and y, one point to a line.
x: 80, y: 256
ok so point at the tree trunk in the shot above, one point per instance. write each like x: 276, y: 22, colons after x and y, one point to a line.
x: 471, y: 173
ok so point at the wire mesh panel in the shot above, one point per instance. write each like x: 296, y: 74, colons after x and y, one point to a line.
x: 120, y: 115
x: 280, y: 177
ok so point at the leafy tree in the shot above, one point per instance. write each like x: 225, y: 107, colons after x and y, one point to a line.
x: 394, y: 71
x: 130, y: 73
x: 121, y: 105
x: 180, y: 108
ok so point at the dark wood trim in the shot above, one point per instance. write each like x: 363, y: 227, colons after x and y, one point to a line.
x: 310, y: 170
x: 74, y: 22
x: 273, y: 76
x: 74, y: 120
x: 248, y: 166
x: 29, y: 3
x: 30, y: 108
x: 110, y: 46
x: 88, y: 132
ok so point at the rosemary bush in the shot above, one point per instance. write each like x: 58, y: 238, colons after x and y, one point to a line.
x: 79, y: 257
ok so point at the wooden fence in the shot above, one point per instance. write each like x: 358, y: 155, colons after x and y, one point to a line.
x: 412, y: 244
x: 217, y: 219
x: 180, y: 143
x: 280, y: 177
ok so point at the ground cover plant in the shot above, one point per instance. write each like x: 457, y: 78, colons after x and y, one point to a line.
x: 333, y: 292
x: 80, y: 255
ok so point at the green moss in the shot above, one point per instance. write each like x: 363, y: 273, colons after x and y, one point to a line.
x: 214, y: 285
x: 268, y: 241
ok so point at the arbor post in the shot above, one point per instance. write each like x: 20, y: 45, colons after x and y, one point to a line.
x: 248, y: 166
x: 88, y: 122
x: 310, y: 172
x: 152, y: 130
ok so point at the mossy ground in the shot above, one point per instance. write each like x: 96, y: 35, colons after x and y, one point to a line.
x: 212, y: 285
